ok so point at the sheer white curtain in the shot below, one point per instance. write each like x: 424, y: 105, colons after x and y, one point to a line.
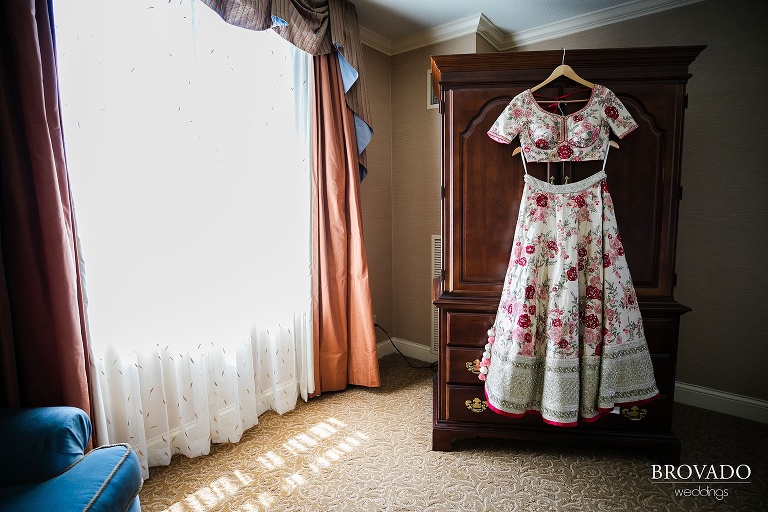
x: 188, y: 146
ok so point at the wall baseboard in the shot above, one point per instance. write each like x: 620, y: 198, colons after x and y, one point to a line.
x: 689, y: 394
x: 409, y: 348
x: 721, y: 401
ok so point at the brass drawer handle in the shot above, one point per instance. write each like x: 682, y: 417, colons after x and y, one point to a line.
x: 474, y: 366
x: 634, y: 413
x: 476, y: 405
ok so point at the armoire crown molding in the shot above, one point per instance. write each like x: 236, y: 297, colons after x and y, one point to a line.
x: 481, y: 25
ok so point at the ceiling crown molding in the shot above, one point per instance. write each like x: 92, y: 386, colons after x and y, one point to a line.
x: 375, y: 41
x: 491, y: 32
x: 458, y: 28
x: 481, y: 25
x: 607, y: 16
x: 438, y: 34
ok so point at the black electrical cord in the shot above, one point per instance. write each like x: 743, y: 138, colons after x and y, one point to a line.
x: 432, y: 366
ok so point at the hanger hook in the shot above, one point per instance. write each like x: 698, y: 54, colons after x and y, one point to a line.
x: 563, y: 60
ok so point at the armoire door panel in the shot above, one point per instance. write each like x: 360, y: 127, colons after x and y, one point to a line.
x: 485, y: 183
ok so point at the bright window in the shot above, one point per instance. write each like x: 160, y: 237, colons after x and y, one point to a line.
x: 187, y: 144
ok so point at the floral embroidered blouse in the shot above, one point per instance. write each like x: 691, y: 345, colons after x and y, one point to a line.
x: 548, y: 137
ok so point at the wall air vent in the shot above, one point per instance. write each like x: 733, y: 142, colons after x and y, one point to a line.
x: 437, y: 268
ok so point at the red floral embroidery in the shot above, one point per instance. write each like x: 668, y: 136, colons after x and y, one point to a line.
x: 529, y: 249
x: 565, y: 152
x: 522, y: 261
x: 612, y: 112
x: 532, y: 309
x: 563, y: 343
x: 541, y: 144
x: 541, y: 200
x: 606, y: 260
x: 556, y: 322
x: 580, y: 201
x: 530, y: 291
x: 593, y: 292
x: 572, y: 274
x: 582, y: 252
x: 631, y: 299
x: 578, y: 118
x: 592, y: 322
x: 552, y: 245
x: 524, y: 321
x: 528, y: 337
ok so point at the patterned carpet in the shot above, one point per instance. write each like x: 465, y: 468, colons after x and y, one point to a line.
x: 369, y: 450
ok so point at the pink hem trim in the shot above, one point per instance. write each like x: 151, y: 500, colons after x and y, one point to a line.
x: 601, y: 412
x: 558, y: 424
x: 628, y: 132
x: 526, y: 413
x: 499, y: 138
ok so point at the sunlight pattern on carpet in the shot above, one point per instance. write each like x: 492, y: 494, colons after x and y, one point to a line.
x: 277, y: 475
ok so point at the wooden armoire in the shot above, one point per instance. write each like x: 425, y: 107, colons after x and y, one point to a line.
x: 482, y: 183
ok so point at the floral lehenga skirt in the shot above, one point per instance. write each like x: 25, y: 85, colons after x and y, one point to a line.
x: 568, y: 338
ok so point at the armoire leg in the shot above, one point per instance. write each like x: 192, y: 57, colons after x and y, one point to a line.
x: 442, y: 441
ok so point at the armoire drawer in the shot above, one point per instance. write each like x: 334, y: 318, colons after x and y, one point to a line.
x: 467, y: 403
x: 468, y: 329
x: 664, y: 373
x: 660, y: 333
x: 463, y: 365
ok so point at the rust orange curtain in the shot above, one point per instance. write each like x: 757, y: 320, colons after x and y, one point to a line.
x: 344, y: 332
x: 43, y: 343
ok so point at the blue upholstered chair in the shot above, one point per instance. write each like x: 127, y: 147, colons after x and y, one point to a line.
x: 44, y: 467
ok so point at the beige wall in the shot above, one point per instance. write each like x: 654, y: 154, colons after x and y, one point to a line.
x: 483, y: 46
x: 401, y: 195
x: 376, y: 188
x: 415, y: 188
x: 722, y: 242
x: 723, y: 239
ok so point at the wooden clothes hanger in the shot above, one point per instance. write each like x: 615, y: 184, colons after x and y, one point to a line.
x: 568, y: 72
x: 564, y: 70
